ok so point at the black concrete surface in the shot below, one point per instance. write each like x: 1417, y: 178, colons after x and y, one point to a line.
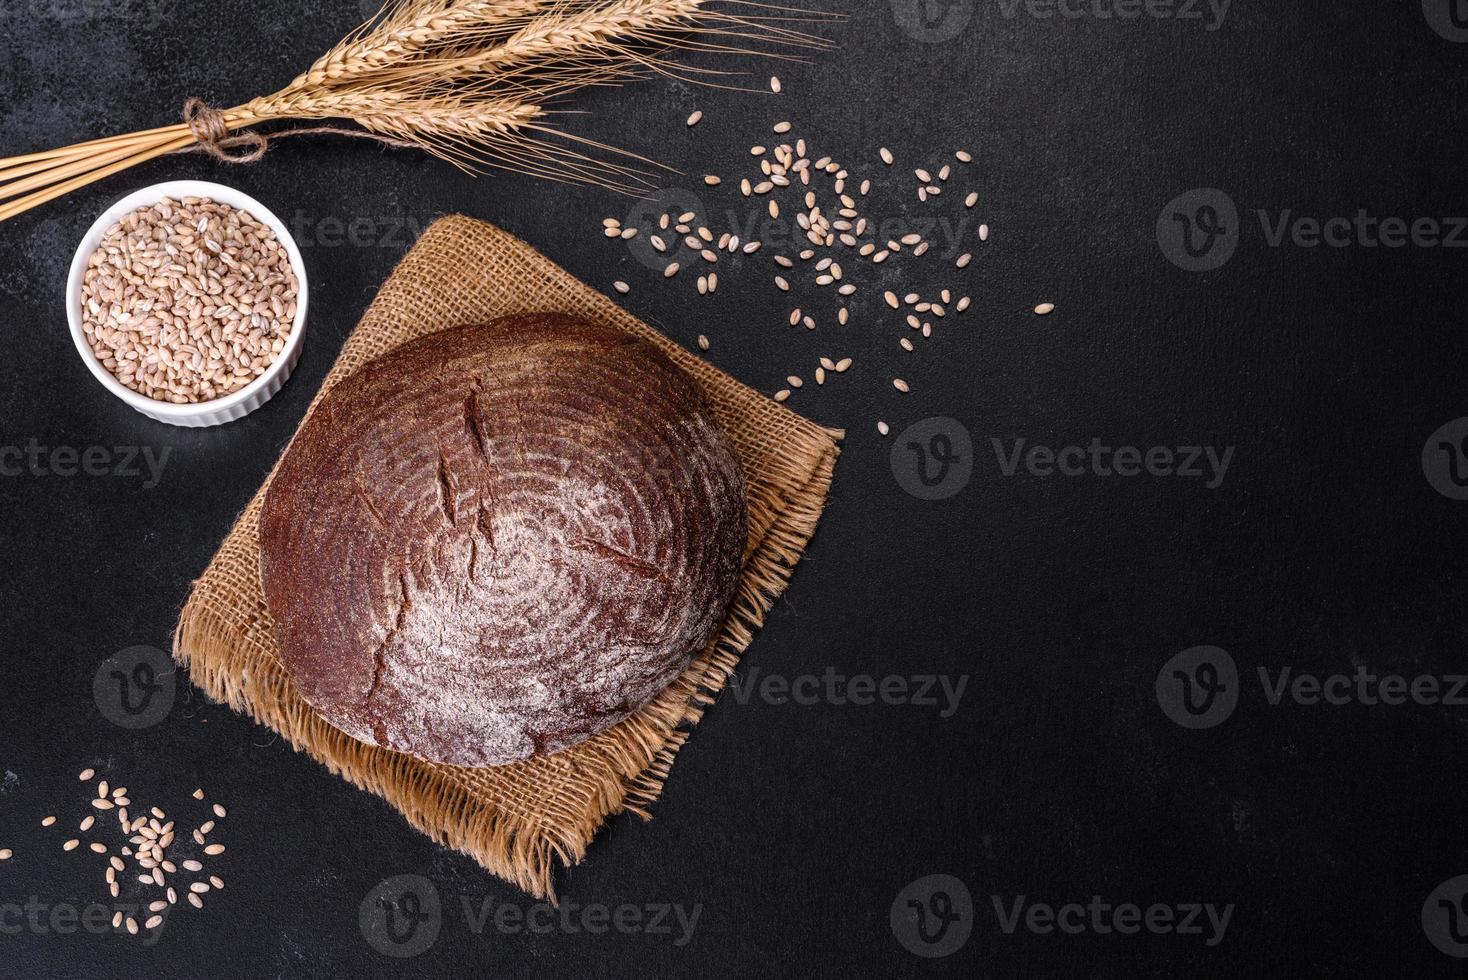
x: 1058, y: 776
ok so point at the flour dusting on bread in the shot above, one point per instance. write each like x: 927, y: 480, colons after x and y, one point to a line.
x: 500, y: 540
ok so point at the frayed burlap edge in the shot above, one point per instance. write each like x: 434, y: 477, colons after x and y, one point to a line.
x: 224, y: 638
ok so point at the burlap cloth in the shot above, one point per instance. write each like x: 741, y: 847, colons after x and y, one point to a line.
x: 515, y: 820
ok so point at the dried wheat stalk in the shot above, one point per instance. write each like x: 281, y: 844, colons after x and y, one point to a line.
x: 471, y: 81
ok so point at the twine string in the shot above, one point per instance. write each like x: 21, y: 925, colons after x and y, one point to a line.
x: 214, y: 137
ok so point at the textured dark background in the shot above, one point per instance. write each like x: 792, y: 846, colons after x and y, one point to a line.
x: 794, y: 827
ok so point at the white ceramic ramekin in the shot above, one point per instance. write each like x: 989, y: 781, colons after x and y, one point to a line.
x: 236, y: 404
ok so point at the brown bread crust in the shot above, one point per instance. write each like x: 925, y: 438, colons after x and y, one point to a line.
x: 499, y: 540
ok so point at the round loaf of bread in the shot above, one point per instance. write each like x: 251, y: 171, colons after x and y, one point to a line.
x: 497, y: 541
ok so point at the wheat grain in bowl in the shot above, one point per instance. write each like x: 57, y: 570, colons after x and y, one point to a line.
x: 188, y: 300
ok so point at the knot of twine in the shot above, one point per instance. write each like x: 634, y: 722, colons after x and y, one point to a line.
x: 212, y: 132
